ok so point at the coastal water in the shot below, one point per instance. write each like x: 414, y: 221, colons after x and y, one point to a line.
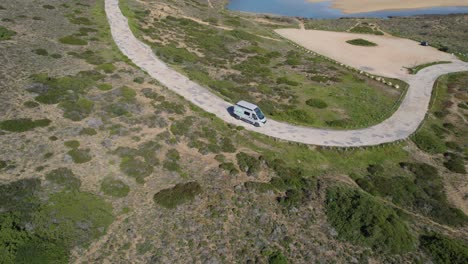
x: 303, y: 8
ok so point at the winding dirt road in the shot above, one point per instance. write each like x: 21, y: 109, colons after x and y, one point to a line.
x: 399, y: 126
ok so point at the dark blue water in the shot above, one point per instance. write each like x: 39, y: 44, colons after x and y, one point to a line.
x: 302, y: 8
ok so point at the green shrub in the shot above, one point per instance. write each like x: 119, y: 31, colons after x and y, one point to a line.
x: 428, y: 142
x: 127, y: 93
x: 424, y: 192
x: 75, y: 218
x: 227, y: 145
x: 366, y: 30
x: 38, y: 226
x: 72, y: 40
x: 65, y: 178
x: 104, y: 86
x: 359, y: 218
x: 114, y: 187
x: 30, y: 104
x: 361, y: 42
x: 80, y: 155
x: 181, y: 127
x: 139, y: 80
x: 277, y: 258
x: 56, y: 56
x: 48, y: 6
x: 90, y: 57
x: 177, y: 195
x: 172, y: 160
x: 229, y: 167
x: 445, y: 250
x: 298, y: 115
x: 77, y: 110
x: 6, y: 34
x: 72, y: 144
x: 455, y: 163
x: 248, y: 164
x: 134, y: 167
x: 80, y: 20
x: 176, y: 55
x: 88, y: 131
x: 23, y: 124
x: 41, y: 52
x: 107, y: 67
x: 64, y: 88
x: 3, y: 164
x: 317, y: 103
x: 285, y: 80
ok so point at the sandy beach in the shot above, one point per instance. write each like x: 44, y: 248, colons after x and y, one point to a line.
x: 362, y: 6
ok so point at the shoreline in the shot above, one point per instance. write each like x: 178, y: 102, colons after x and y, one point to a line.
x: 366, y: 6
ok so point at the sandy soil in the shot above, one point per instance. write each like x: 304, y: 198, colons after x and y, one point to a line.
x: 388, y: 59
x: 361, y: 6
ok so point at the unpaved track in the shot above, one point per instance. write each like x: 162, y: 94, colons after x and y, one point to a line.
x: 398, y: 127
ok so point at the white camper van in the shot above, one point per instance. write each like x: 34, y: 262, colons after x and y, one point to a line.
x: 249, y: 112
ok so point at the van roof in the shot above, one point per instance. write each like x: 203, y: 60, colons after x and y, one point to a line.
x: 246, y: 105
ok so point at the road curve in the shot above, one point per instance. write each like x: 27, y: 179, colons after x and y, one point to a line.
x: 399, y: 126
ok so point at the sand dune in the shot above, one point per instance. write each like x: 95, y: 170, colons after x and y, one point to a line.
x: 361, y: 6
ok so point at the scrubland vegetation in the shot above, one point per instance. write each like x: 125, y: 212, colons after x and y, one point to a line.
x: 239, y: 63
x: 100, y: 163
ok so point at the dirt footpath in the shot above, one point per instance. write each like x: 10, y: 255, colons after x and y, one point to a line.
x: 389, y: 58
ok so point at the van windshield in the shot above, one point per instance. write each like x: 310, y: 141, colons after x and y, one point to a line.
x: 259, y: 113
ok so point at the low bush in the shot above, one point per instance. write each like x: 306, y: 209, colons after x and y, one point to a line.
x: 277, y: 258
x: 229, y: 167
x: 77, y: 110
x: 88, y: 131
x: 107, y: 67
x: 38, y: 226
x: 285, y: 80
x: 360, y: 218
x: 72, y: 144
x: 41, y: 52
x: 72, y: 40
x: 428, y: 142
x: 135, y: 167
x: 361, y: 42
x: 365, y: 30
x: 172, y: 160
x: 317, y: 103
x: 65, y: 178
x: 114, y: 187
x: 139, y: 80
x: 30, y: 104
x: 444, y: 250
x: 181, y: 127
x: 23, y: 124
x: 455, y: 163
x: 104, y: 86
x: 80, y: 155
x: 248, y: 164
x: 54, y: 90
x: 6, y: 34
x: 424, y: 193
x: 177, y: 195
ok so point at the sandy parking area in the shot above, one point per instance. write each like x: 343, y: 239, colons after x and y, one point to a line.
x: 389, y: 58
x: 361, y: 6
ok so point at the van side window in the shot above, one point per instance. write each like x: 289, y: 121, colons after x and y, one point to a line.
x: 246, y: 113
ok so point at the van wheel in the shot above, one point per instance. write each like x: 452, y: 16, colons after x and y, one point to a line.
x: 257, y: 124
x: 237, y: 117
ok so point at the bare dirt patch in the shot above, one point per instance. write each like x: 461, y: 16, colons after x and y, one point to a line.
x: 389, y: 58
